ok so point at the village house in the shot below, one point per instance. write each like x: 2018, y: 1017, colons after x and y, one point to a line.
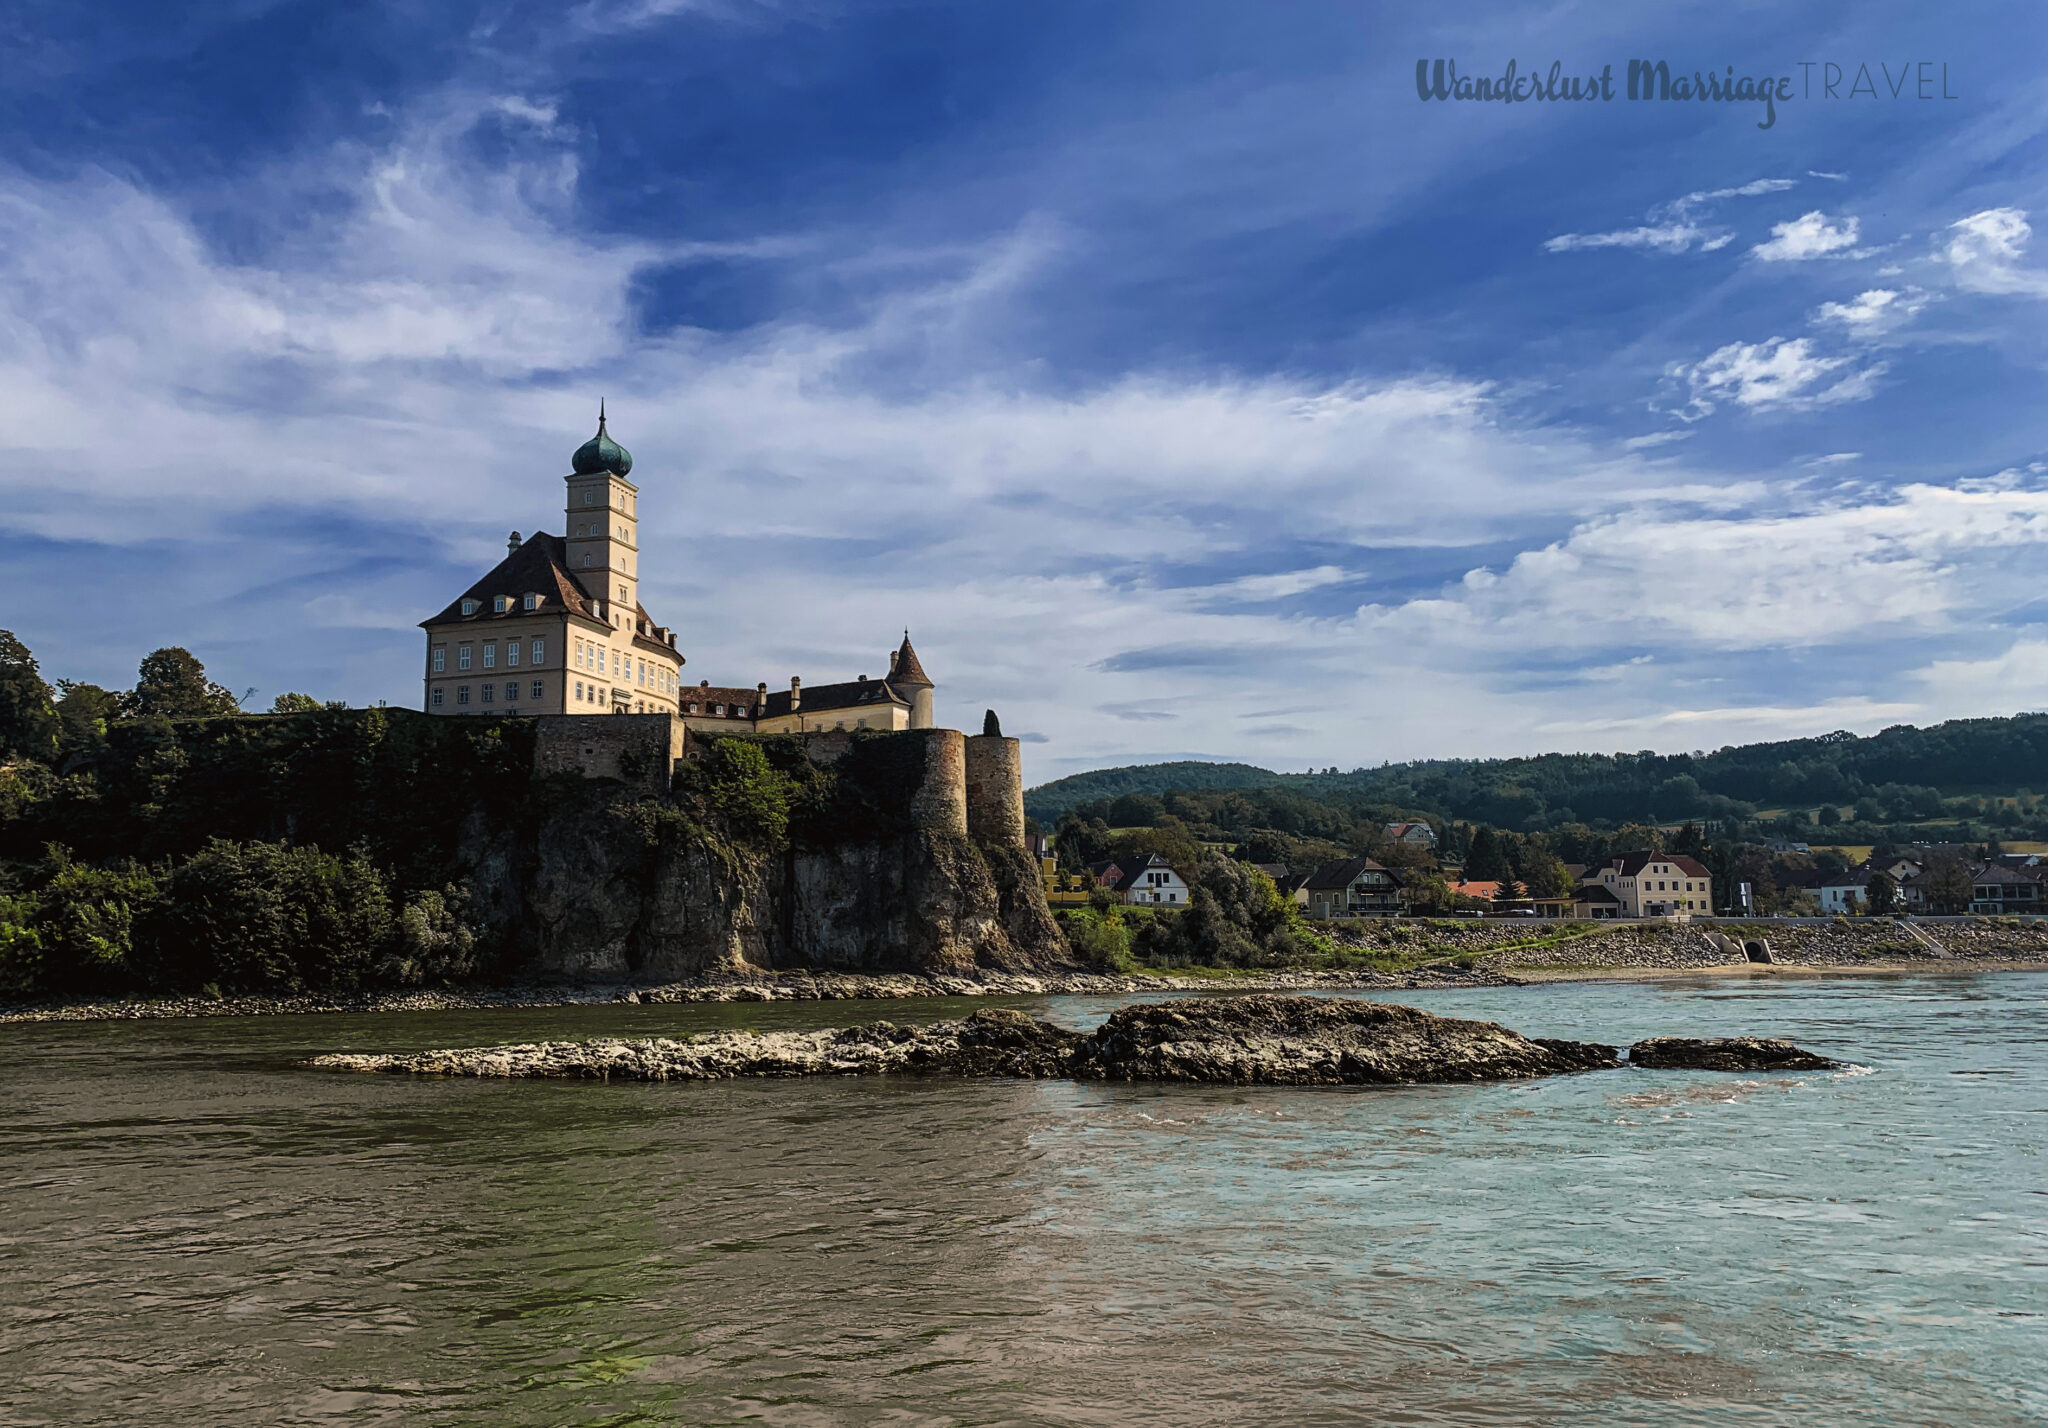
x: 1352, y: 887
x: 1845, y: 893
x: 1998, y: 888
x: 1142, y: 880
x: 1655, y: 884
x: 1414, y: 835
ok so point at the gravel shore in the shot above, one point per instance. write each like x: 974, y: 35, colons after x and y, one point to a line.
x: 1447, y: 955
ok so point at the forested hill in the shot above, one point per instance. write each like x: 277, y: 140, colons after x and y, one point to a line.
x: 1901, y: 773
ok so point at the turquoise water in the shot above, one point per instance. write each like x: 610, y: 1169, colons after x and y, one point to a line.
x: 192, y: 1231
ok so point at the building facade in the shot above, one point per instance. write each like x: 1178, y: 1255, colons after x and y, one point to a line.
x: 1351, y: 887
x: 1655, y: 884
x: 557, y: 627
x: 1147, y: 880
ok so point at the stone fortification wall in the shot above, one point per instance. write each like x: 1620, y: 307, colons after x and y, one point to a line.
x: 995, y: 790
x: 637, y: 749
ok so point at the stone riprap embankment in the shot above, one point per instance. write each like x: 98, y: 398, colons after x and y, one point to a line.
x: 1725, y: 1053
x: 1507, y: 947
x: 1251, y: 1040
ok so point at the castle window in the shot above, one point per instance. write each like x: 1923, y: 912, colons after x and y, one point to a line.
x: 490, y: 693
x: 718, y: 709
x: 693, y: 709
x: 437, y: 700
x: 532, y: 601
x: 540, y: 653
x: 440, y: 659
x: 491, y: 655
x: 500, y: 604
x: 590, y: 497
x: 586, y: 560
x: 462, y: 694
x: 512, y: 693
x: 512, y: 654
x: 579, y: 689
x: 470, y: 607
x: 539, y: 691
x: 462, y: 657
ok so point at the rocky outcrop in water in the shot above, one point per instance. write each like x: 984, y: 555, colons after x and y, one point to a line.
x: 1309, y: 1041
x: 1725, y: 1053
x: 1255, y: 1040
x: 992, y: 1042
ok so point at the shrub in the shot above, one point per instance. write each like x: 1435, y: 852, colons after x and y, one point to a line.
x: 433, y: 940
x: 744, y: 792
x: 21, y: 947
x: 87, y: 916
x: 256, y: 917
x: 1100, y: 938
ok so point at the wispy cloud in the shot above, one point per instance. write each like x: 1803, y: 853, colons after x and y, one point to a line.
x: 1873, y: 311
x: 1674, y: 227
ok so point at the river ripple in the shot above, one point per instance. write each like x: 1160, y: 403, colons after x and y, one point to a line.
x: 192, y: 1231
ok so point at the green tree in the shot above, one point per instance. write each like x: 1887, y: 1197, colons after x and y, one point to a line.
x: 172, y: 684
x: 294, y: 704
x: 1883, y: 895
x: 1946, y: 883
x: 1488, y: 860
x: 83, y: 713
x: 743, y: 790
x: 28, y: 715
x: 1544, y: 875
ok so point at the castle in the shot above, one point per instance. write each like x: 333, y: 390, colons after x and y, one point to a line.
x: 557, y: 627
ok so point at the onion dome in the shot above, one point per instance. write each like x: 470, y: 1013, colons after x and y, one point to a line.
x: 601, y: 454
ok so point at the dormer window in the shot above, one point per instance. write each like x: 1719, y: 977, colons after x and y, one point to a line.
x: 470, y: 607
x: 500, y: 604
x: 532, y: 601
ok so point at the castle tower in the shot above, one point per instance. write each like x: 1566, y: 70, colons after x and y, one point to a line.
x: 602, y: 537
x: 909, y: 676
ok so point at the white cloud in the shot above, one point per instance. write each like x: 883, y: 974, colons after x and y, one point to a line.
x: 419, y: 372
x: 1874, y: 311
x: 1780, y: 374
x: 1929, y: 559
x: 1810, y: 235
x: 1664, y: 237
x: 1673, y: 227
x: 1984, y: 251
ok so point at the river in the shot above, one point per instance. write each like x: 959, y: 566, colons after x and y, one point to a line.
x: 193, y: 1231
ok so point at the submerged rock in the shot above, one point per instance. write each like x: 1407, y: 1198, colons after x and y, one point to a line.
x: 1265, y: 1040
x: 1725, y: 1053
x: 1309, y: 1041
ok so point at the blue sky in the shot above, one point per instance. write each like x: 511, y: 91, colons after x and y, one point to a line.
x: 1187, y: 385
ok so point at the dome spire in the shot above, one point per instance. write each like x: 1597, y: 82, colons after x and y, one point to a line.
x: 601, y: 454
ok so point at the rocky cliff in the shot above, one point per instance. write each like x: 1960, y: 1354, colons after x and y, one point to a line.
x: 587, y: 849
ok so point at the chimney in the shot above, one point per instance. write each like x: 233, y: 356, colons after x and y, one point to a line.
x: 796, y: 694
x: 512, y: 544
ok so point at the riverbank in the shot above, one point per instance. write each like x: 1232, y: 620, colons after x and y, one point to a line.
x: 1483, y: 957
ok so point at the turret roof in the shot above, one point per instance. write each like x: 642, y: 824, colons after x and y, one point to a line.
x: 905, y: 669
